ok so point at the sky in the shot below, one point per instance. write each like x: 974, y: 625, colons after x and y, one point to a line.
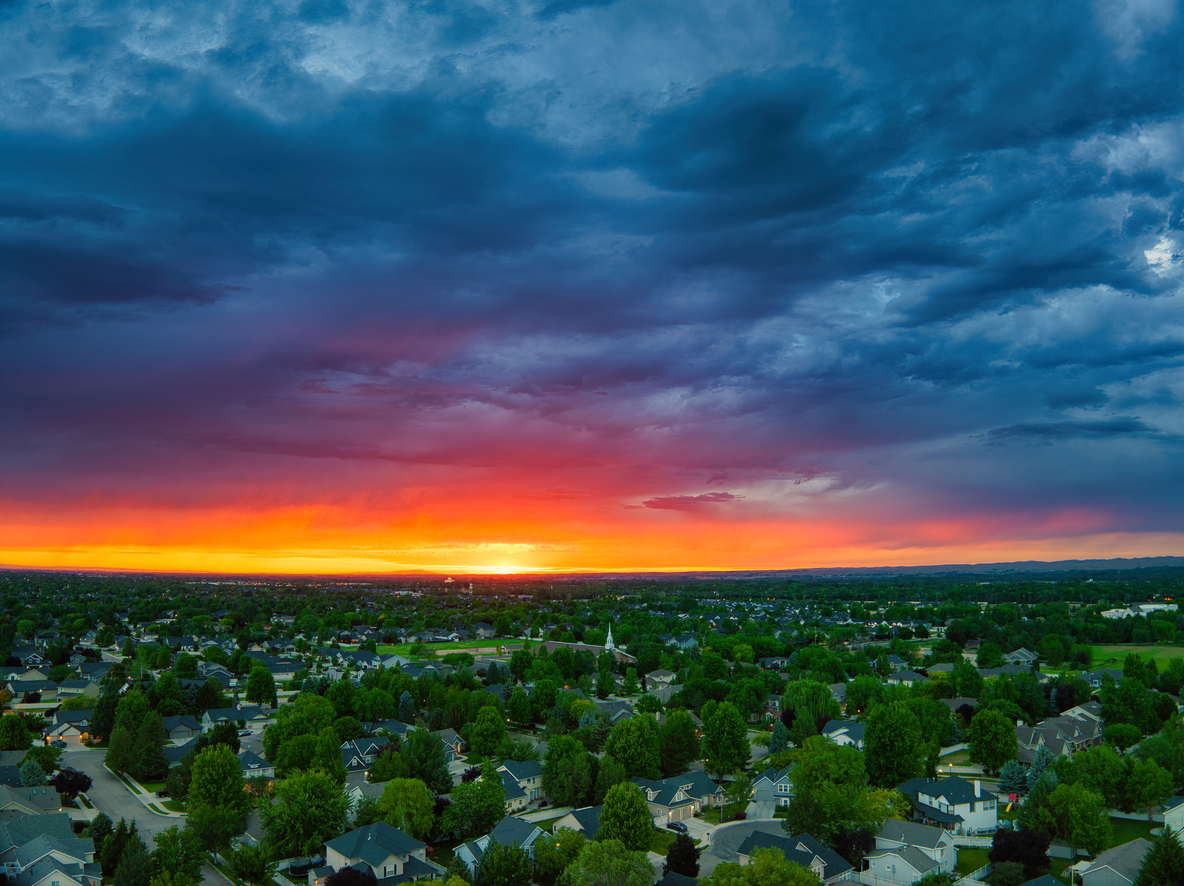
x: 337, y: 285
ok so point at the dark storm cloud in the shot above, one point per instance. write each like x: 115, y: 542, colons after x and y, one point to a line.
x: 784, y: 238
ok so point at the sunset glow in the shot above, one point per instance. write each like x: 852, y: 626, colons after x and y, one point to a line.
x: 582, y: 286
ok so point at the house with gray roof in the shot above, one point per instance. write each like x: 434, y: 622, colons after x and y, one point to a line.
x: 953, y: 803
x: 845, y: 732
x: 585, y: 820
x: 1118, y: 865
x: 510, y: 831
x: 936, y: 843
x: 824, y: 863
x: 384, y: 851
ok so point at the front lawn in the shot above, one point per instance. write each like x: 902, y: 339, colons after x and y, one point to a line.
x: 662, y: 841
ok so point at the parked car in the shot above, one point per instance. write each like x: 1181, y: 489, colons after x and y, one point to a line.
x: 677, y: 826
x: 58, y: 743
x: 244, y: 732
x: 162, y: 793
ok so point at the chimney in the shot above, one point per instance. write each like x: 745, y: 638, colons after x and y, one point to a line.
x: 978, y: 788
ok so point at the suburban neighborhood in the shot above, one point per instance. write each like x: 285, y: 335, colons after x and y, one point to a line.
x: 178, y: 733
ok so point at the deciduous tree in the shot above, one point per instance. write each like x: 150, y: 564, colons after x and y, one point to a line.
x: 408, y: 805
x: 309, y: 808
x: 725, y: 744
x: 609, y: 862
x: 991, y: 736
x: 567, y: 771
x: 626, y: 817
x: 892, y: 744
x: 634, y: 742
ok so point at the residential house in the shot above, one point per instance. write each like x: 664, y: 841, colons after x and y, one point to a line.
x: 902, y: 864
x: 1022, y: 656
x: 668, y: 801
x: 824, y: 863
x: 357, y: 755
x: 1077, y: 728
x: 1173, y: 814
x: 181, y: 728
x: 69, y: 726
x: 454, y: 745
x: 379, y: 849
x: 935, y: 843
x: 529, y: 776
x: 774, y: 784
x: 29, y: 801
x: 1117, y: 866
x: 26, y: 840
x: 510, y: 831
x: 516, y: 797
x: 845, y: 732
x: 953, y: 803
x: 217, y: 716
x: 585, y: 820
x: 254, y: 766
x: 906, y: 678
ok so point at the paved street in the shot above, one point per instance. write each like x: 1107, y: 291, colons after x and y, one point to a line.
x: 726, y: 839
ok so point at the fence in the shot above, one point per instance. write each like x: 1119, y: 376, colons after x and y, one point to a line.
x: 975, y: 876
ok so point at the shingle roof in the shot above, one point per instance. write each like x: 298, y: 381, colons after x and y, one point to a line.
x: 373, y: 843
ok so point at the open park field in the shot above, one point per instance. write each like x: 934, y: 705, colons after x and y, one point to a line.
x: 1107, y: 656
x: 474, y: 647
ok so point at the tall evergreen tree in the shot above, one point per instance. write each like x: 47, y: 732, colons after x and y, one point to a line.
x: 1163, y: 865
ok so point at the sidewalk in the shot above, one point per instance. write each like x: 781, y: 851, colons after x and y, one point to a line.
x: 150, y: 801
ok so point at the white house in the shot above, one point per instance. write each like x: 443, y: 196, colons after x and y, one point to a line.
x: 902, y: 865
x: 845, y: 732
x: 953, y: 803
x: 510, y: 831
x: 383, y: 850
x: 935, y: 843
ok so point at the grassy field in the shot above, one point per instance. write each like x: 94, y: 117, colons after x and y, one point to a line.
x: 441, y: 649
x: 1126, y: 830
x: 662, y: 841
x: 1105, y: 656
x: 970, y: 860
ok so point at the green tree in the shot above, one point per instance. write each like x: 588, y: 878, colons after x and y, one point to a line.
x: 610, y: 862
x: 519, y: 707
x: 424, y: 755
x: 567, y: 771
x: 32, y: 774
x: 739, y: 792
x: 991, y: 736
x: 14, y: 735
x: 1101, y: 770
x: 892, y: 744
x: 767, y: 867
x: 635, y: 743
x: 504, y: 866
x: 1147, y: 786
x: 778, y: 738
x: 626, y: 817
x: 310, y: 808
x: 122, y: 752
x: 725, y: 742
x: 135, y: 866
x: 476, y: 805
x: 678, y: 742
x: 251, y: 864
x: 177, y: 850
x: 1163, y: 865
x: 1081, y: 817
x: 487, y: 734
x: 218, y: 801
x: 261, y: 686
x: 553, y: 854
x: 831, y: 793
x: 407, y: 804
x: 812, y: 702
x: 610, y: 773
